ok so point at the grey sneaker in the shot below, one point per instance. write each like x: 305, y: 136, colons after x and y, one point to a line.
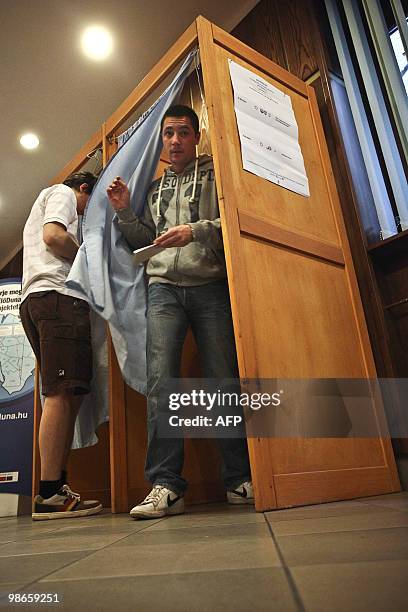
x: 64, y: 504
x: 160, y: 502
x: 243, y: 494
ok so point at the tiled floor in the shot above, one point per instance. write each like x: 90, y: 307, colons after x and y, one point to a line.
x: 342, y: 556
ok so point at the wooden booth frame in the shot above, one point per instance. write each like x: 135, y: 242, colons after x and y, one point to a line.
x: 280, y: 475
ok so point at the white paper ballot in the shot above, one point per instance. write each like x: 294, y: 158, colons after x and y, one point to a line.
x: 268, y: 131
x: 141, y: 255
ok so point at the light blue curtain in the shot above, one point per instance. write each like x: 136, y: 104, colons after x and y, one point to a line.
x: 103, y: 269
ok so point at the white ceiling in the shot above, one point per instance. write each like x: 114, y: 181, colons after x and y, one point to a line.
x: 49, y: 87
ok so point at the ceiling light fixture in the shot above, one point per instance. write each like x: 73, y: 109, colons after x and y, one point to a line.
x: 97, y: 43
x: 29, y: 141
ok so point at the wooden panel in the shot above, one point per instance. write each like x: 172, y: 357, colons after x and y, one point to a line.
x: 117, y: 413
x: 36, y: 428
x: 308, y: 336
x: 323, y: 38
x: 164, y: 66
x: 301, y: 316
x: 136, y: 443
x: 257, y: 60
x: 88, y: 469
x: 161, y: 166
x: 191, y: 96
x: 257, y: 227
x: 390, y: 262
x: 332, y: 485
x: 117, y: 435
x: 298, y: 36
x: 388, y: 332
x: 331, y: 454
x: 333, y: 201
x: 266, y: 199
x: 360, y: 220
x: 14, y: 266
x: 203, y: 472
x: 260, y: 30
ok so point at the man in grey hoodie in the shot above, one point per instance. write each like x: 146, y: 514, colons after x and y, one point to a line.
x: 187, y: 287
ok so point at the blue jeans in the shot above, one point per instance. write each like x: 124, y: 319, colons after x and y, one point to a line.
x: 171, y: 310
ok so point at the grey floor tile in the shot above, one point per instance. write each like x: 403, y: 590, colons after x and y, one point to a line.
x: 100, y: 520
x: 321, y: 510
x: 10, y: 587
x: 93, y: 525
x: 394, y: 501
x: 204, y: 533
x: 58, y: 543
x: 148, y: 555
x: 8, y: 520
x: 344, y: 547
x: 127, y: 526
x: 397, y: 495
x: 197, y: 519
x: 354, y: 587
x: 254, y: 590
x: 219, y: 507
x: 11, y: 521
x: 22, y: 531
x: 350, y: 522
x: 33, y: 567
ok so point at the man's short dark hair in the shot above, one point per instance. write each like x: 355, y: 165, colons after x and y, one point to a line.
x: 79, y: 178
x: 179, y: 110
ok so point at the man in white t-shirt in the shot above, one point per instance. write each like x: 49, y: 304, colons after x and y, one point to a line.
x: 56, y: 322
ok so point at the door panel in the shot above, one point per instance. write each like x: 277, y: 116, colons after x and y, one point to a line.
x: 296, y: 308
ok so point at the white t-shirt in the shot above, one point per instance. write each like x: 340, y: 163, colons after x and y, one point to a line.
x: 42, y: 270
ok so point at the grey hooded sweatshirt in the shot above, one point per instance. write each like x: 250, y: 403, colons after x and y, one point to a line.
x: 178, y: 199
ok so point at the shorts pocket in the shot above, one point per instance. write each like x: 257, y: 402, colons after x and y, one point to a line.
x: 65, y: 331
x: 43, y: 306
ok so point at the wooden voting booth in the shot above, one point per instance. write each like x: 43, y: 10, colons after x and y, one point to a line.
x: 295, y: 301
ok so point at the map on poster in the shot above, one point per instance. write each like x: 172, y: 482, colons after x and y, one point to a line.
x: 17, y: 361
x: 268, y: 131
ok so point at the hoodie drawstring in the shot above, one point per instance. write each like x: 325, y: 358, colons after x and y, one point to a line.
x: 192, y: 199
x: 158, y: 215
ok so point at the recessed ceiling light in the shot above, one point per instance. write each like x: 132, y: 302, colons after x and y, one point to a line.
x: 29, y: 141
x: 97, y: 43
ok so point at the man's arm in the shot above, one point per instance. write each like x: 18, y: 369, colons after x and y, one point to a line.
x: 138, y: 232
x: 206, y: 232
x: 59, y: 241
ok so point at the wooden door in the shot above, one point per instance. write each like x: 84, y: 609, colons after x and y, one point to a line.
x: 296, y: 306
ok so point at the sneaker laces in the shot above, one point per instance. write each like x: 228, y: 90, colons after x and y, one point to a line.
x: 66, y: 489
x: 246, y: 484
x: 155, y: 495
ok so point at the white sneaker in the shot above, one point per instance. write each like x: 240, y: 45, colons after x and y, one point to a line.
x: 160, y: 502
x: 64, y: 504
x: 244, y: 494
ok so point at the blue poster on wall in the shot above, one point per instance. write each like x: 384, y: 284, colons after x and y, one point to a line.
x: 17, y: 367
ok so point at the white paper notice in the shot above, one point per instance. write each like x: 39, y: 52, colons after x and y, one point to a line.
x: 268, y: 131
